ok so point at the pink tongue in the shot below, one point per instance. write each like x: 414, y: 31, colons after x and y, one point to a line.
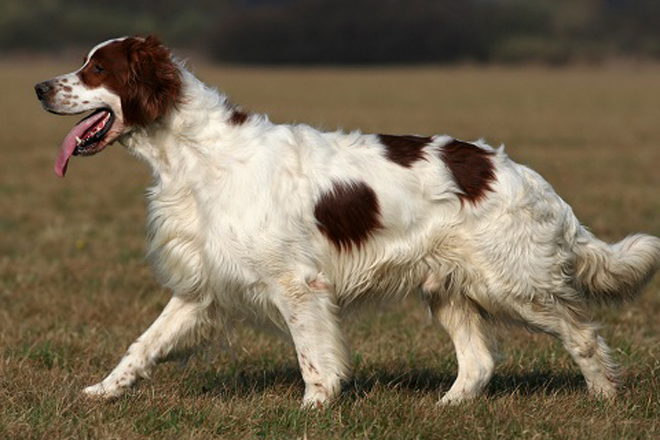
x: 69, y: 143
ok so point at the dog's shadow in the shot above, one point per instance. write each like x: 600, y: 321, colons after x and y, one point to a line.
x: 424, y: 381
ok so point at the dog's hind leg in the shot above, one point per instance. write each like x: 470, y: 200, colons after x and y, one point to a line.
x: 475, y: 346
x: 580, y: 338
x: 310, y: 311
x: 180, y: 327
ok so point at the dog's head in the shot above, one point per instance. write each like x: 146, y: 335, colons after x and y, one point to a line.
x: 125, y: 83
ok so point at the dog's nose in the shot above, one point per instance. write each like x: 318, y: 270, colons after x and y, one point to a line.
x: 41, y: 89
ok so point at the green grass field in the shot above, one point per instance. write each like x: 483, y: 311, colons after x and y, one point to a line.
x: 75, y: 290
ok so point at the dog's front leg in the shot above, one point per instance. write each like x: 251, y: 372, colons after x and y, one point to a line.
x: 180, y: 326
x: 311, y: 313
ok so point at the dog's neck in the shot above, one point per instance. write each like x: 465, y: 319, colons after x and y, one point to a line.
x: 200, y: 127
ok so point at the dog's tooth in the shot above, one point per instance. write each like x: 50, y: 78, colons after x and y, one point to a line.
x: 78, y: 140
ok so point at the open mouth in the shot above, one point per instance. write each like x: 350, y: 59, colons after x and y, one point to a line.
x: 88, y: 143
x: 87, y: 137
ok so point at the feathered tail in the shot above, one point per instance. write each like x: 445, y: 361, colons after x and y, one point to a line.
x: 612, y: 274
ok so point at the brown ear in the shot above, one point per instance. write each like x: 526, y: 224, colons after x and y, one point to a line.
x: 154, y: 83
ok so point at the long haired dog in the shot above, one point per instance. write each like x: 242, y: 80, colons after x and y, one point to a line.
x: 294, y: 226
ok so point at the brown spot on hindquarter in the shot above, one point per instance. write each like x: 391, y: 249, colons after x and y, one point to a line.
x: 472, y: 168
x: 348, y: 214
x: 404, y: 150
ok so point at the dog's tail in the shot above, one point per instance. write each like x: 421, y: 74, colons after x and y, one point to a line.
x: 612, y: 274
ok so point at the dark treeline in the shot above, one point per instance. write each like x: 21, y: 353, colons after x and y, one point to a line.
x: 350, y: 31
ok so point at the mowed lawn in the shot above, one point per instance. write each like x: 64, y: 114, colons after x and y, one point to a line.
x: 75, y: 290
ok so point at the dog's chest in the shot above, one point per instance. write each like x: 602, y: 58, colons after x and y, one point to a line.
x: 174, y: 241
x: 198, y: 244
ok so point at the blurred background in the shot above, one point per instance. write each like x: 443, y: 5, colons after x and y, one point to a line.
x: 348, y: 31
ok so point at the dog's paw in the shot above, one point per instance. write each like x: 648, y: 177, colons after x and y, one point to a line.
x: 315, y: 398
x: 449, y: 402
x: 452, y: 399
x: 313, y: 404
x: 100, y: 391
x: 316, y: 404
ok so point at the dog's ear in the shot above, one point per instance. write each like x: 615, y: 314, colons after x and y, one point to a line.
x: 154, y: 82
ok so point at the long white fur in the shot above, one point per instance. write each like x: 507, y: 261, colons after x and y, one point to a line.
x: 232, y: 233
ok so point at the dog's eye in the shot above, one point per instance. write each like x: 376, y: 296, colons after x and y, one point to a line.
x: 97, y: 68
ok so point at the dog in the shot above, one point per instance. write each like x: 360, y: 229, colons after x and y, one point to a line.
x: 290, y: 226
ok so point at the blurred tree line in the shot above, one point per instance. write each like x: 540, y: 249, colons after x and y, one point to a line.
x: 349, y: 31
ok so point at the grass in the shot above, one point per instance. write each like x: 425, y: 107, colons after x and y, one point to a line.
x: 75, y: 290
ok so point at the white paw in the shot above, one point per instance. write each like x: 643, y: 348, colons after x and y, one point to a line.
x: 449, y: 401
x: 452, y: 398
x: 101, y: 391
x: 314, y: 403
x: 604, y: 390
x: 315, y: 398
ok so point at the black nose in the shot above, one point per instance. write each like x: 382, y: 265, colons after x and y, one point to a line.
x: 41, y: 89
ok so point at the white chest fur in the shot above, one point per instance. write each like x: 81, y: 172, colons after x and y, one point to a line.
x: 175, y: 240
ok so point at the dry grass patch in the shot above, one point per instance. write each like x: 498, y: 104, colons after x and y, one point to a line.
x: 75, y: 291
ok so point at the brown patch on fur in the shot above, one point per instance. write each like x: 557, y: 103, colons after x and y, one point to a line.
x: 306, y: 365
x: 348, y: 214
x: 67, y: 88
x: 471, y: 167
x: 404, y: 150
x: 141, y: 72
x: 238, y: 117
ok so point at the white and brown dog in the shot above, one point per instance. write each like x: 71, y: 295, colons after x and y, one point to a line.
x: 248, y: 218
